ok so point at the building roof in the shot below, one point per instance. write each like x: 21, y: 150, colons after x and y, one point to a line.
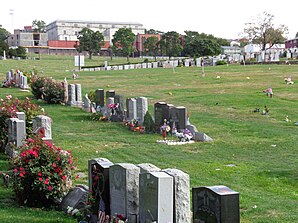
x: 96, y: 22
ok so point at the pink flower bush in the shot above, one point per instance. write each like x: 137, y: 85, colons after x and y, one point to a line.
x: 42, y: 173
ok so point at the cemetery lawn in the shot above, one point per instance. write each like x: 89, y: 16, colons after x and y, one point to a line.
x: 253, y: 154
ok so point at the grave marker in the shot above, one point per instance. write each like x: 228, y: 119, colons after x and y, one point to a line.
x: 124, y: 189
x: 181, y: 195
x: 99, y: 97
x: 99, y: 183
x: 217, y: 204
x: 156, y: 197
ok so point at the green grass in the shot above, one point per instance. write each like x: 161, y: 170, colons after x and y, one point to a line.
x: 265, y: 175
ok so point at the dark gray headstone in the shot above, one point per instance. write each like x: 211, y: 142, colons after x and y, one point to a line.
x: 215, y: 204
x: 100, y: 97
x: 99, y: 183
x: 119, y: 99
x: 158, y: 113
x: 75, y: 198
x: 110, y: 94
x: 180, y: 114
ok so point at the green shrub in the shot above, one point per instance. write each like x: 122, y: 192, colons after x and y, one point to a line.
x: 41, y: 173
x: 146, y: 60
x: 221, y: 62
x: 148, y: 123
x: 91, y: 96
x: 37, y: 86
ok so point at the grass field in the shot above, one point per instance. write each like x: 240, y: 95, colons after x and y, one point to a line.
x: 262, y: 149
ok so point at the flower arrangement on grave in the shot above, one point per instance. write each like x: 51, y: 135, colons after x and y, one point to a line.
x: 134, y: 126
x: 9, y: 84
x: 42, y: 172
x: 9, y: 106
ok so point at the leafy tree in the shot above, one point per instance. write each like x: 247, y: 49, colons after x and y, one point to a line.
x: 170, y: 43
x: 197, y: 45
x: 39, y: 26
x: 151, y: 46
x: 262, y: 31
x: 153, y: 31
x: 21, y: 52
x: 3, y: 46
x: 12, y: 52
x: 89, y: 41
x: 3, y: 34
x: 123, y: 40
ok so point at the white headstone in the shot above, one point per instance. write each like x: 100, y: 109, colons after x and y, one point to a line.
x: 42, y: 122
x: 156, y: 197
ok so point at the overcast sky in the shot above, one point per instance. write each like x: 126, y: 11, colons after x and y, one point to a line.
x: 220, y: 18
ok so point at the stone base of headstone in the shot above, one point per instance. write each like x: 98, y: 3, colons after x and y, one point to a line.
x: 202, y: 137
x: 10, y: 151
x: 117, y: 118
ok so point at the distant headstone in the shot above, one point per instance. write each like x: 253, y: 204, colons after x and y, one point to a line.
x: 218, y: 204
x: 71, y: 95
x: 65, y: 90
x: 180, y: 113
x: 144, y: 65
x: 119, y: 99
x: 124, y: 189
x: 16, y: 135
x: 87, y: 103
x: 156, y: 197
x: 181, y: 195
x: 154, y: 65
x: 158, y: 113
x: 131, y: 105
x: 78, y: 90
x: 42, y: 125
x: 99, y: 97
x: 110, y: 94
x: 75, y: 198
x: 99, y: 183
x: 142, y: 108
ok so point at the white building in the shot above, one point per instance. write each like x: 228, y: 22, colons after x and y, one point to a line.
x: 68, y: 30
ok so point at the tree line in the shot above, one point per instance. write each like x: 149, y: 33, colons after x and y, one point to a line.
x: 260, y: 30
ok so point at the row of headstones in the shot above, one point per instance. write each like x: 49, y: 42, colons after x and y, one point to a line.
x: 18, y: 78
x: 178, y: 120
x: 144, y: 193
x: 164, y: 64
x: 136, y: 108
x: 17, y: 131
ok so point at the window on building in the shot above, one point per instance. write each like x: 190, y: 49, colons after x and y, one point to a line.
x: 100, y: 26
x: 64, y: 32
x: 36, y: 39
x: 76, y: 33
x: 75, y: 25
x: 65, y: 38
x: 88, y: 25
